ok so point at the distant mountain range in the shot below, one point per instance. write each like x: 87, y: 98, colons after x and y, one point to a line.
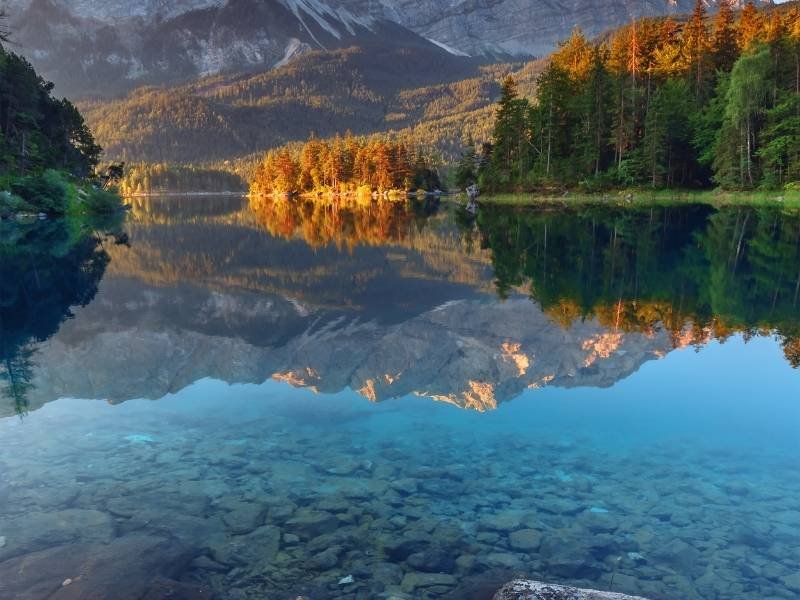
x: 99, y: 47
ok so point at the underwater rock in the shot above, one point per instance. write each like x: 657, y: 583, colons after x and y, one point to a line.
x: 312, y: 523
x: 535, y: 590
x: 432, y: 560
x: 244, y: 517
x: 527, y: 540
x: 416, y: 581
x: 503, y: 521
x: 792, y: 582
x: 38, y: 530
x: 95, y: 571
x: 410, y: 543
x: 676, y: 554
x: 204, y: 563
x: 598, y: 522
x: 326, y: 560
x: 252, y: 549
x: 405, y: 486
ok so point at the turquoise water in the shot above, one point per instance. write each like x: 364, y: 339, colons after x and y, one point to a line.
x: 269, y: 415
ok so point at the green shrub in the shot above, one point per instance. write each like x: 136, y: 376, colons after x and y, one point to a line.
x: 99, y: 201
x: 48, y: 192
x: 11, y: 204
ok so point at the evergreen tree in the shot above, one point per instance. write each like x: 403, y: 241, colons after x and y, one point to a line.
x: 725, y: 45
x: 695, y: 44
x: 466, y: 169
x: 510, y: 139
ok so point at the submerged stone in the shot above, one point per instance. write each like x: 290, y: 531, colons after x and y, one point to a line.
x: 38, y: 530
x: 326, y: 560
x: 527, y: 540
x: 432, y: 560
x: 310, y: 523
x: 415, y: 581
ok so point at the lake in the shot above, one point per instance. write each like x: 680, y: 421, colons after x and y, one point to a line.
x: 217, y: 398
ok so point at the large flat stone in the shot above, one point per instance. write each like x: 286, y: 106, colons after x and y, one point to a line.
x: 127, y: 568
x: 536, y: 590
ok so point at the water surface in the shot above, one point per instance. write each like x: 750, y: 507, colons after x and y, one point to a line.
x: 400, y: 401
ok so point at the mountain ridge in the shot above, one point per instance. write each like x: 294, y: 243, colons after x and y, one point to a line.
x: 90, y: 48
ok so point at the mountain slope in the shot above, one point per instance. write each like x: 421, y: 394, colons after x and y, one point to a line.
x: 93, y: 47
x: 375, y: 86
x: 87, y: 48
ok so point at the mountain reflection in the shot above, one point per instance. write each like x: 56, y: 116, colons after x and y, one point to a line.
x: 388, y: 299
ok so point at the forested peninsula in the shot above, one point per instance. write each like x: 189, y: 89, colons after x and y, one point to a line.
x: 709, y: 102
x: 48, y: 156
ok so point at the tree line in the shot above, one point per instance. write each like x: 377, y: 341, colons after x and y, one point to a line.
x: 45, y: 146
x: 344, y: 165
x: 660, y: 103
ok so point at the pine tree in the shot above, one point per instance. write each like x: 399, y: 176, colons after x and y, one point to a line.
x: 751, y: 25
x: 466, y: 168
x: 725, y: 45
x: 509, y: 134
x: 695, y: 44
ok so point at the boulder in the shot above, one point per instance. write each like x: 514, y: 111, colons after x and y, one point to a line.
x: 536, y: 590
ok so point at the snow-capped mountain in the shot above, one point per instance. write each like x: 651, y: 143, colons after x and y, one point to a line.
x: 90, y: 47
x: 108, y: 46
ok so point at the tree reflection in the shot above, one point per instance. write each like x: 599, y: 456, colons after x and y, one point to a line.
x: 697, y: 272
x: 346, y: 224
x: 45, y: 269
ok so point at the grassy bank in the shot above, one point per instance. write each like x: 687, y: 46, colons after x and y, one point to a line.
x: 786, y: 198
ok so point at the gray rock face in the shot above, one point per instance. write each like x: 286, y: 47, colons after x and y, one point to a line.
x: 536, y: 590
x: 120, y: 44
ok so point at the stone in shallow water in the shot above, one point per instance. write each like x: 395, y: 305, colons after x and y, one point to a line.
x: 535, y: 590
x: 508, y: 520
x: 527, y: 540
x: 310, y: 523
x: 38, y: 530
x: 432, y: 560
x: 417, y: 581
x: 598, y: 522
x: 676, y: 554
x: 792, y: 582
x: 326, y: 560
x: 244, y: 517
x: 405, y: 486
x: 95, y: 571
x: 255, y: 548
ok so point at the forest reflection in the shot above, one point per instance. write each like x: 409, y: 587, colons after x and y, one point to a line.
x: 46, y: 268
x: 343, y: 225
x: 700, y: 273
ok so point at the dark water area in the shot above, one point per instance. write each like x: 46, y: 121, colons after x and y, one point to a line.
x: 213, y: 398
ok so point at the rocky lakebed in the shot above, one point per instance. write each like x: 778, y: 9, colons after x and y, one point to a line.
x: 223, y: 496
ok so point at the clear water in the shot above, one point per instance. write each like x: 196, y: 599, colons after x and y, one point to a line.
x: 400, y: 403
